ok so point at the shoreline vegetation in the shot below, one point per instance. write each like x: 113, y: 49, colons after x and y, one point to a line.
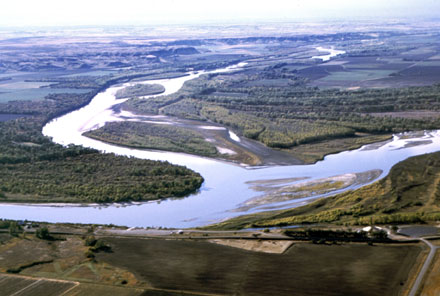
x: 31, y: 158
x: 290, y: 116
x: 284, y: 101
x: 139, y: 90
x: 407, y: 195
x: 273, y: 100
x: 154, y: 136
x: 273, y: 104
x: 281, y: 192
x: 165, y: 136
x: 35, y: 170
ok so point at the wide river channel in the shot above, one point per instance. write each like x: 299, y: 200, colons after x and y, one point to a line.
x: 226, y: 185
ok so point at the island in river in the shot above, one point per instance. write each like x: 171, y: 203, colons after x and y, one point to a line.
x: 139, y: 90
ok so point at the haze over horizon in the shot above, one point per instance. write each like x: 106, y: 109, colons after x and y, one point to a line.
x: 136, y: 12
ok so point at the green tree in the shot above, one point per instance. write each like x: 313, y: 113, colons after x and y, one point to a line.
x: 13, y: 227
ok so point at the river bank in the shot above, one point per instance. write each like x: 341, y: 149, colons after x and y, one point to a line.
x: 226, y: 185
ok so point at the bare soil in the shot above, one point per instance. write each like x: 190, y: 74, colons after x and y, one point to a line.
x: 265, y: 246
x: 304, y: 269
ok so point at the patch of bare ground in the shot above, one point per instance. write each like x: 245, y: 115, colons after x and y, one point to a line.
x: 279, y: 192
x: 23, y: 252
x: 265, y: 246
x: 65, y: 258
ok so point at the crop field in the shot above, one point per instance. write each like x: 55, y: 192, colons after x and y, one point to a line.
x: 29, y: 286
x: 378, y: 68
x: 201, y: 267
x: 103, y: 290
x: 32, y: 94
x: 357, y: 75
x: 18, y: 88
x: 19, y: 285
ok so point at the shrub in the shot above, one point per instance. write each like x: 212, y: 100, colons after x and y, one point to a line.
x: 43, y: 233
x: 90, y: 241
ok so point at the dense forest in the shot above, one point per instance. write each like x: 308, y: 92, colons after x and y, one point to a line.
x: 276, y: 107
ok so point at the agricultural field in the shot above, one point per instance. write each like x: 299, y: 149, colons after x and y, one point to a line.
x: 57, y: 265
x: 76, y: 263
x: 20, y: 285
x: 35, y: 286
x: 210, y: 268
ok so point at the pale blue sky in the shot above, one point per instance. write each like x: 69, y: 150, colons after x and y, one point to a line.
x: 135, y: 12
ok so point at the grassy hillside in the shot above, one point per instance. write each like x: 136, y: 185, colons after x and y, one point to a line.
x: 409, y: 194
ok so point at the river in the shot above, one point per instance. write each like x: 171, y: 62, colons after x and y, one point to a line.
x: 331, y: 53
x: 226, y: 185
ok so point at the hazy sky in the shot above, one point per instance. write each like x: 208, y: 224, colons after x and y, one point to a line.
x: 132, y: 12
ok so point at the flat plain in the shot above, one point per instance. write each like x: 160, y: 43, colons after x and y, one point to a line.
x: 204, y: 267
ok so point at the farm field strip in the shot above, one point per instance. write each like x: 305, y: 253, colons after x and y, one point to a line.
x: 12, y: 285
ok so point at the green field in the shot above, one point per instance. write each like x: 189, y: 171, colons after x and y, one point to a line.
x: 33, y: 94
x: 356, y: 75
